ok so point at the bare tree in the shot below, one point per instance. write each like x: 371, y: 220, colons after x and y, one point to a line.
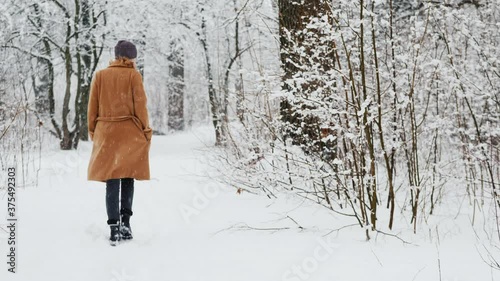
x: 80, y: 54
x: 176, y: 87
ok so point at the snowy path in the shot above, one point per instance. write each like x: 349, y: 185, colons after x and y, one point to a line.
x: 63, y: 232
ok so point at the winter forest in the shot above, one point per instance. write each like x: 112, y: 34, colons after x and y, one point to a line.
x: 373, y: 124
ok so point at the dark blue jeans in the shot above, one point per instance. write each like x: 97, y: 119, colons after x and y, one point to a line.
x: 113, y: 198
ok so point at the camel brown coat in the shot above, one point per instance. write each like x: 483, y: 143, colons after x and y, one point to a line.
x: 118, y: 124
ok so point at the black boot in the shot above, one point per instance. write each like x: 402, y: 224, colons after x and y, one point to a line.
x: 125, y: 229
x: 113, y: 209
x: 115, y: 235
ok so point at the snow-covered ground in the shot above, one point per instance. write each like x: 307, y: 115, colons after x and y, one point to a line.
x: 188, y: 228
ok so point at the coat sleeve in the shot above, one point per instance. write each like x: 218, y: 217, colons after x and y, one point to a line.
x: 140, y: 105
x: 93, y: 107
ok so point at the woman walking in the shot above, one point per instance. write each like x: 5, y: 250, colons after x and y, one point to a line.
x: 119, y: 128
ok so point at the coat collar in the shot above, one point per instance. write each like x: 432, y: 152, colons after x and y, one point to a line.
x: 120, y: 63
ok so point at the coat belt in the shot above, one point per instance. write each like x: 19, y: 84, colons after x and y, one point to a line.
x: 136, y: 120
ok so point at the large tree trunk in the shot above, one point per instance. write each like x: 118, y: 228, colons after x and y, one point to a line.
x: 294, y: 17
x: 176, y: 93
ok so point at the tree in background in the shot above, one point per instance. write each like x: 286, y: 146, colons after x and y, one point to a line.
x: 76, y: 53
x: 176, y: 87
x: 89, y: 53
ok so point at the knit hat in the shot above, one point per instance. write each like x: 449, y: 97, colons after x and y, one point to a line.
x: 125, y: 49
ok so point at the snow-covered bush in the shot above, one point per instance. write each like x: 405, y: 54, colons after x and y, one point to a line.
x: 381, y: 107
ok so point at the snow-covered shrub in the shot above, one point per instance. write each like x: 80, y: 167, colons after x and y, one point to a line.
x: 384, y: 108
